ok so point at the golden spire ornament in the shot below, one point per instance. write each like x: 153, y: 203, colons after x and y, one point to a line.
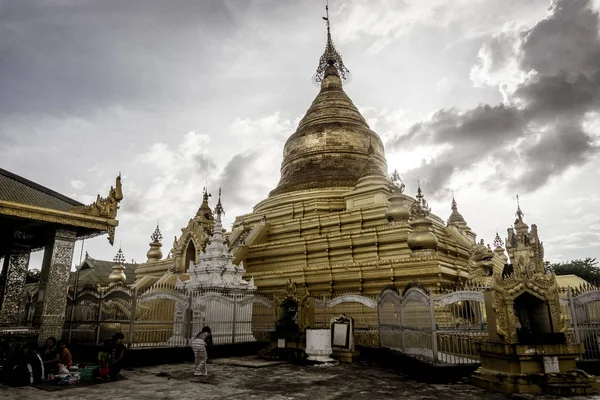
x: 331, y: 57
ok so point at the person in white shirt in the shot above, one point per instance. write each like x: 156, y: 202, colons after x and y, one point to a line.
x: 199, y: 344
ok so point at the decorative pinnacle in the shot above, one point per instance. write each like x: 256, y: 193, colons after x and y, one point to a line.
x: 498, y: 243
x: 397, y: 182
x: 519, y: 213
x: 120, y: 257
x: 205, y: 195
x: 420, y: 208
x: 331, y: 57
x: 219, y: 208
x: 156, y: 236
x: 454, y: 207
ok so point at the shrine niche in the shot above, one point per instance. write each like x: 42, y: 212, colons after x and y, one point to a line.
x: 293, y: 308
x: 527, y: 351
x: 194, y: 237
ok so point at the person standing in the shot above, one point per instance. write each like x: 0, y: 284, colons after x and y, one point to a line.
x: 199, y: 344
x: 118, y: 353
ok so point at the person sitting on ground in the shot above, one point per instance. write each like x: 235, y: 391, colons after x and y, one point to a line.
x: 51, y: 356
x: 65, y: 355
x: 199, y: 344
x: 34, y: 359
x: 103, y: 360
x: 118, y: 353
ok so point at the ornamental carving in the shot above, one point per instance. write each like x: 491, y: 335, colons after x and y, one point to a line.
x: 55, y: 289
x: 105, y: 207
x: 14, y: 286
x: 525, y: 296
x: 480, y: 264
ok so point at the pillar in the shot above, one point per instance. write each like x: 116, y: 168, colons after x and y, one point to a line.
x: 15, y: 268
x: 54, y: 284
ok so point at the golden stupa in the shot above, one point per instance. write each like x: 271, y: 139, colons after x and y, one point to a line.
x: 336, y: 222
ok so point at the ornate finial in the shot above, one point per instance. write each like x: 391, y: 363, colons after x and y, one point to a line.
x: 330, y: 57
x: 420, y: 208
x: 519, y: 213
x: 219, y: 208
x: 454, y: 207
x: 120, y: 257
x: 205, y: 195
x: 156, y: 236
x: 498, y: 243
x: 397, y: 182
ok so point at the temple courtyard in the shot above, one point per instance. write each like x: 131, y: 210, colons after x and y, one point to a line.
x: 253, y: 379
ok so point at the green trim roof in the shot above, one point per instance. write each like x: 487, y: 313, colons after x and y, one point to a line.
x: 17, y: 189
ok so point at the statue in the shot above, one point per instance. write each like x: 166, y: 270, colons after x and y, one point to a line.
x: 480, y: 264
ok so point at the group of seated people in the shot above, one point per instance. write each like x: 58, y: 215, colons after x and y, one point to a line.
x: 29, y: 364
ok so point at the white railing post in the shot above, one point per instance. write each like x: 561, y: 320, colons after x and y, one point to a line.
x: 234, y: 319
x: 434, y: 349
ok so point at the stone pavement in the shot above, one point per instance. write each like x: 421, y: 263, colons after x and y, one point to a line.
x: 277, y: 382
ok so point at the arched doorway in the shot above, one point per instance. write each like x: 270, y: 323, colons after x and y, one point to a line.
x: 190, y: 255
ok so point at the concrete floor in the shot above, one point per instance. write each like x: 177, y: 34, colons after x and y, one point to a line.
x: 228, y: 379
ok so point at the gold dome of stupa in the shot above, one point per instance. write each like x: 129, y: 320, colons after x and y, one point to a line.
x: 333, y: 145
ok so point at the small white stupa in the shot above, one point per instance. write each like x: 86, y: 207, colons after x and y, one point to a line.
x: 216, y: 273
x: 215, y: 269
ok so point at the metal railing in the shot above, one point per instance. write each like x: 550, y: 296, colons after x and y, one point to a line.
x: 166, y: 316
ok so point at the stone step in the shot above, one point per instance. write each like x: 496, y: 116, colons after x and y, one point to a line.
x: 569, y: 389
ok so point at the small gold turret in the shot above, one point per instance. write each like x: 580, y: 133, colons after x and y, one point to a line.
x: 421, y: 237
x: 155, y: 254
x: 456, y: 218
x: 397, y: 211
x: 118, y: 270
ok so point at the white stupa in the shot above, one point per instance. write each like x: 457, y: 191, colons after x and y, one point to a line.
x: 215, y: 268
x: 216, y: 275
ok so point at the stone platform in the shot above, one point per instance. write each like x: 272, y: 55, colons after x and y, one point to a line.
x: 356, y: 381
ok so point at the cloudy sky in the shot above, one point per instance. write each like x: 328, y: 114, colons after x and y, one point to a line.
x: 486, y: 98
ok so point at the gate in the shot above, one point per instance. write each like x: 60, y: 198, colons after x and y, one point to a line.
x: 585, y: 320
x: 361, y: 308
x: 441, y: 328
x: 460, y: 323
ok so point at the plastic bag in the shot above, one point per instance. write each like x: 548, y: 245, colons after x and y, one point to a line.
x: 62, y: 370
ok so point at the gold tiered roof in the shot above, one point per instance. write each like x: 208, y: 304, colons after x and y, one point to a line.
x: 333, y: 145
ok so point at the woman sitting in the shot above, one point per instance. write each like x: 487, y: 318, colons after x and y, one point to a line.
x: 51, y: 356
x: 65, y: 355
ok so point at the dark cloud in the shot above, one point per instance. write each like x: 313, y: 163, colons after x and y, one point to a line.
x: 62, y: 57
x: 204, y: 163
x: 236, y: 178
x: 561, y: 55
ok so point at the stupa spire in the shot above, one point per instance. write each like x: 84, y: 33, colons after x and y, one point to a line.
x: 331, y: 57
x: 219, y: 208
x: 519, y: 213
x: 455, y: 218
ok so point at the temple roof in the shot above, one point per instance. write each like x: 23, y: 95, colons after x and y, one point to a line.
x: 96, y: 272
x: 17, y: 189
x: 333, y: 145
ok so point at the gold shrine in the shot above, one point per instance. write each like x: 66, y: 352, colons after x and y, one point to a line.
x: 527, y: 350
x: 336, y: 221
